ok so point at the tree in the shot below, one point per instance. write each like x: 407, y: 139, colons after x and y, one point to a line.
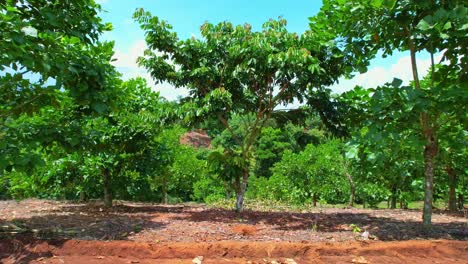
x: 48, y: 46
x: 384, y: 144
x: 364, y: 28
x: 124, y: 139
x: 235, y: 70
x: 105, y: 155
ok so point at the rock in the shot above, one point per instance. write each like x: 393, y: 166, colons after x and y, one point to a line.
x: 360, y: 260
x: 197, y: 260
x: 365, y: 235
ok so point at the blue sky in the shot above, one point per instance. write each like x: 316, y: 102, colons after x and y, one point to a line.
x: 186, y: 16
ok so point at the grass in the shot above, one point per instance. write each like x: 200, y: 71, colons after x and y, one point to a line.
x: 278, y: 206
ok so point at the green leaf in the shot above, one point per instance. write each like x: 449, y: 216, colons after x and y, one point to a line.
x: 362, y: 68
x: 448, y: 25
x: 444, y: 36
x: 352, y: 152
x: 423, y: 25
x: 464, y: 27
x: 389, y: 3
x: 376, y: 3
x: 99, y: 107
x: 396, y: 82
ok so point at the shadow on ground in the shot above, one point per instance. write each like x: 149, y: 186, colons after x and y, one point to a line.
x: 384, y: 228
x: 83, y: 221
x: 93, y: 222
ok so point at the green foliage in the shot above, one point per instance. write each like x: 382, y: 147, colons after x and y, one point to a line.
x: 181, y: 167
x: 385, y: 149
x: 208, y: 189
x: 70, y: 128
x: 233, y: 70
x: 372, y: 194
x: 364, y: 28
x: 356, y: 229
x: 52, y: 64
x: 275, y: 188
x: 270, y: 147
x: 316, y: 172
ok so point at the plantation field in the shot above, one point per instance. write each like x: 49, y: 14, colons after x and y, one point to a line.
x: 44, y: 231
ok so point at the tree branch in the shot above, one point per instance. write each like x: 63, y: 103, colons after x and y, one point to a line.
x: 228, y: 127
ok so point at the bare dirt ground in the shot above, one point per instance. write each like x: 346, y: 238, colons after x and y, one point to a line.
x: 42, y: 231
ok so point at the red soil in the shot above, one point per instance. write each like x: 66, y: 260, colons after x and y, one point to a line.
x: 245, y: 230
x: 41, y: 231
x: 114, y: 252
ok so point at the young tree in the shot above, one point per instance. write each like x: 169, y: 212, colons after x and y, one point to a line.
x: 235, y: 70
x: 366, y: 27
x: 122, y: 138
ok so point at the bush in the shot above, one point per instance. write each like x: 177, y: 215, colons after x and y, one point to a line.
x: 372, y: 194
x: 275, y: 188
x: 318, y: 170
x: 208, y: 189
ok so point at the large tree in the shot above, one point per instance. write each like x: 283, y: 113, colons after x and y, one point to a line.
x: 437, y: 26
x: 235, y: 70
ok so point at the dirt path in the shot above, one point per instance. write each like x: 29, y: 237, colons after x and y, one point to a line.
x: 114, y: 252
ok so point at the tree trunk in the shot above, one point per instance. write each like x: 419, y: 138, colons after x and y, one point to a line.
x: 314, y: 199
x: 228, y: 190
x: 107, y: 188
x: 393, y: 198
x: 430, y: 148
x: 241, y: 191
x: 403, y: 204
x: 430, y: 152
x: 393, y: 202
x: 352, y: 188
x: 82, y: 196
x: 452, y: 197
x: 461, y: 201
x: 164, y: 189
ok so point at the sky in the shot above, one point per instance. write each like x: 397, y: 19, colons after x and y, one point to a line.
x: 186, y: 17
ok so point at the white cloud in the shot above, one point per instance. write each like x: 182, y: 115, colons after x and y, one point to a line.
x: 376, y: 76
x: 127, y: 65
x: 128, y: 59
